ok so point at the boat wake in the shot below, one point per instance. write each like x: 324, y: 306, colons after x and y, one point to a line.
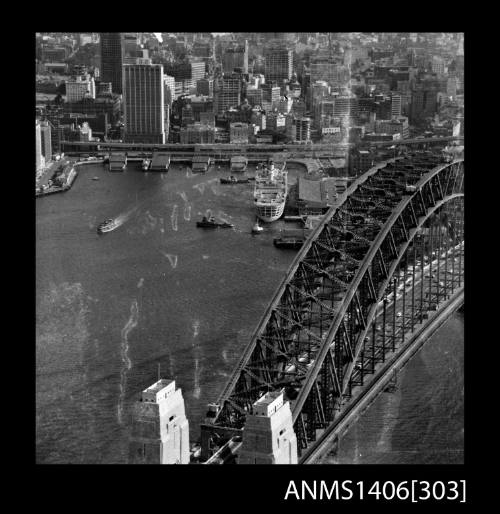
x: 187, y: 207
x: 126, y: 362
x: 196, y: 328
x: 171, y: 258
x: 173, y: 217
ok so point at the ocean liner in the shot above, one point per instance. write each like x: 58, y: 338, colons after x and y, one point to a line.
x: 270, y: 192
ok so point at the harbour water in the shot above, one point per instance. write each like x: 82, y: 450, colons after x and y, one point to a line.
x: 158, y: 290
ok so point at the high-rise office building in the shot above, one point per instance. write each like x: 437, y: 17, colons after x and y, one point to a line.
x: 112, y: 59
x: 302, y: 129
x: 144, y: 103
x: 279, y: 63
x: 38, y: 148
x: 235, y: 57
x: 227, y: 93
x: 46, y: 140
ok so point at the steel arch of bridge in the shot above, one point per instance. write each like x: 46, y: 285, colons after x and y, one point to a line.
x: 312, y: 336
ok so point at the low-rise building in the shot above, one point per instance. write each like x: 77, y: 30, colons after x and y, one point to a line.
x: 238, y: 133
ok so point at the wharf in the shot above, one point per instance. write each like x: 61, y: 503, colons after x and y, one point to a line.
x: 70, y: 178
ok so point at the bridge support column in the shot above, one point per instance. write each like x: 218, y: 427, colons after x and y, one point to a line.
x: 160, y: 429
x: 268, y: 437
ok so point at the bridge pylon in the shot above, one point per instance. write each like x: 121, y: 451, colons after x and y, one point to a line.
x: 268, y: 437
x: 160, y: 429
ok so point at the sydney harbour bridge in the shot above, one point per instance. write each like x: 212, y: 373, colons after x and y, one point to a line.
x: 380, y: 273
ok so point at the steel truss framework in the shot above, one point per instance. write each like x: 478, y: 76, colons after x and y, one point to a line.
x: 386, y: 254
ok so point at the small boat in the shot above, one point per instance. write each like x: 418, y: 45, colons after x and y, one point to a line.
x: 234, y: 180
x: 107, y: 226
x: 95, y: 178
x: 145, y: 164
x: 257, y: 229
x: 211, y: 223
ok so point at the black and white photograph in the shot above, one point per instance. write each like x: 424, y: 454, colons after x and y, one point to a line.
x: 249, y: 248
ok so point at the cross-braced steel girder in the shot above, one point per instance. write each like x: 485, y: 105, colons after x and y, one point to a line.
x: 345, y: 300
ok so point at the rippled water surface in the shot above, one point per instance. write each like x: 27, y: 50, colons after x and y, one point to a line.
x: 160, y: 290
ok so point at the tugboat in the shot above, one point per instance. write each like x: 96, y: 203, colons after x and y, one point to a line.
x: 257, y: 229
x: 211, y: 223
x: 233, y: 180
x: 107, y: 226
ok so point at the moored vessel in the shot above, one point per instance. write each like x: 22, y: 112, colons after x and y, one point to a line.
x: 270, y: 191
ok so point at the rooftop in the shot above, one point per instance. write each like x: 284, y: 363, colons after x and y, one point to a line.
x: 158, y: 386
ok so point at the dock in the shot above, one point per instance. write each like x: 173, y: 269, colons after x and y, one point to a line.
x: 117, y: 161
x: 200, y: 163
x: 160, y: 161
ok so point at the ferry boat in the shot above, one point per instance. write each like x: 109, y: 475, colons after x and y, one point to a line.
x: 107, y: 226
x: 211, y: 223
x: 145, y: 164
x: 270, y: 192
x: 257, y: 229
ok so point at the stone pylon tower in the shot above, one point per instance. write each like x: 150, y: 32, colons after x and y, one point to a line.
x: 160, y: 430
x: 268, y: 436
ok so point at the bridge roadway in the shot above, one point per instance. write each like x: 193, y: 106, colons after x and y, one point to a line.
x: 252, y: 151
x: 320, y: 338
x: 328, y: 442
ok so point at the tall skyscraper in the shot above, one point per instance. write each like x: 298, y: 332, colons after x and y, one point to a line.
x: 279, y: 63
x: 112, y: 59
x: 38, y: 138
x: 46, y: 140
x: 227, y: 93
x: 144, y: 103
x: 235, y: 57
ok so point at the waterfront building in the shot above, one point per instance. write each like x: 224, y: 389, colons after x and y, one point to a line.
x: 46, y: 140
x: 112, y: 59
x: 275, y: 121
x: 38, y: 148
x: 198, y: 133
x: 201, y: 104
x: 160, y: 429
x: 144, y: 103
x: 238, y: 133
x: 393, y: 126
